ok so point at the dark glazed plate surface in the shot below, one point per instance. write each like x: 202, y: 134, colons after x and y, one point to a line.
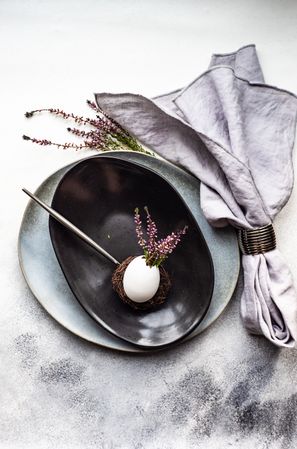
x: 99, y: 195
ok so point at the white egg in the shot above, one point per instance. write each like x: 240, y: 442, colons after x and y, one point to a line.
x: 140, y: 281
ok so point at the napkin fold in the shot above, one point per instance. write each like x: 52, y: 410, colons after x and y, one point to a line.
x: 236, y: 134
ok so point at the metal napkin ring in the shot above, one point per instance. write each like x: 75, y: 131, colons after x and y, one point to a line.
x: 257, y: 241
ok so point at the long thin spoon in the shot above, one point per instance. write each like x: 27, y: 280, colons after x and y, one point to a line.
x: 71, y: 227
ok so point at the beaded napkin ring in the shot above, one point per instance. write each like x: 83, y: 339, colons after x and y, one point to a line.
x: 257, y: 241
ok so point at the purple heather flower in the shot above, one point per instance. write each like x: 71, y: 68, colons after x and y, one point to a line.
x: 151, y: 232
x: 155, y: 251
x: 105, y: 133
x: 138, y: 227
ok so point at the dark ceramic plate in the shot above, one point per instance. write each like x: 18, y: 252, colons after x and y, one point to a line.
x: 99, y: 195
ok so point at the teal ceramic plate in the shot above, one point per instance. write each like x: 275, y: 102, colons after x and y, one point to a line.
x: 47, y: 282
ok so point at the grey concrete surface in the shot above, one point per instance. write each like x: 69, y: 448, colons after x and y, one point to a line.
x: 225, y: 389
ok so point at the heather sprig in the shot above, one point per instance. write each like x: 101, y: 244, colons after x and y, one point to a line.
x: 138, y: 227
x: 103, y: 132
x: 155, y: 251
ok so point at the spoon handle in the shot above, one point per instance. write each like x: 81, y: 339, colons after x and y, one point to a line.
x: 71, y: 227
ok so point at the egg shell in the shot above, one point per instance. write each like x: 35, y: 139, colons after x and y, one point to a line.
x: 140, y: 281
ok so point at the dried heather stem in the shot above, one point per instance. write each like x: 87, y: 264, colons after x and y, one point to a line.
x: 107, y: 134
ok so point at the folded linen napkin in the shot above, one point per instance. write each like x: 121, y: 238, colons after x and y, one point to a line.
x: 236, y: 134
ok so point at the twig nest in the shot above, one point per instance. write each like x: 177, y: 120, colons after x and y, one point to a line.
x: 139, y: 285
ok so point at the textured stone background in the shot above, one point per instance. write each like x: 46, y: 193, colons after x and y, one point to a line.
x: 223, y: 390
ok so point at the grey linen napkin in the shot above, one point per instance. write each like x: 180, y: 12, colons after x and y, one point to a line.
x: 236, y: 134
